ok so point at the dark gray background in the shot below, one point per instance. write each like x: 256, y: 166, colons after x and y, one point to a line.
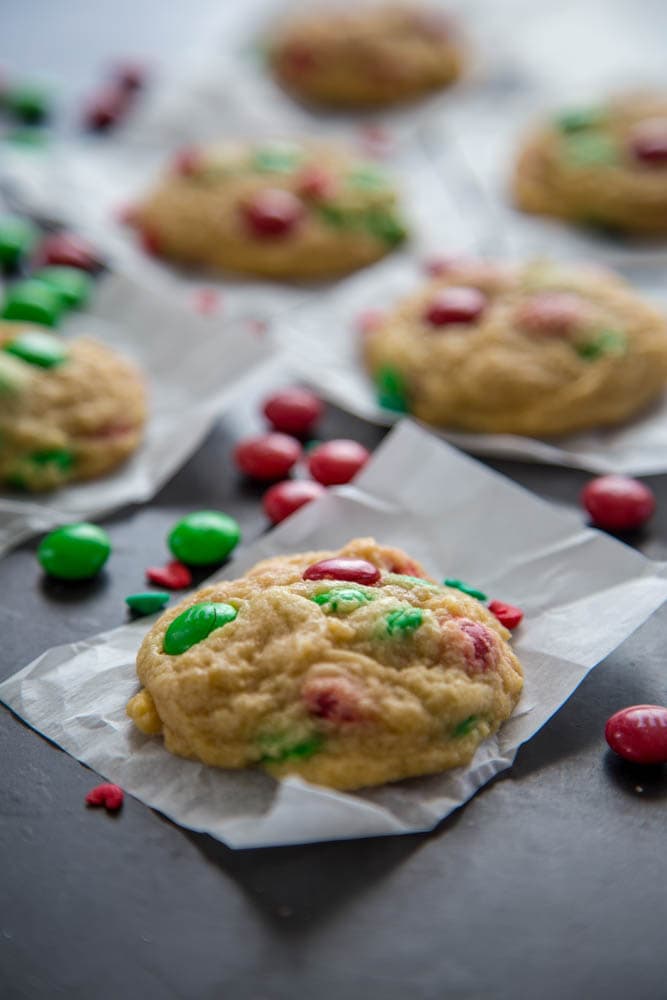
x: 550, y: 883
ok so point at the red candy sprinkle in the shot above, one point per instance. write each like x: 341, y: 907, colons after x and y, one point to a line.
x: 267, y: 456
x: 639, y: 734
x: 618, y: 503
x: 283, y: 499
x: 188, y: 161
x: 174, y: 576
x: 273, y: 212
x: 336, y: 462
x: 316, y: 183
x: 648, y: 142
x: 455, y: 305
x: 68, y: 250
x: 353, y: 570
x: 293, y: 411
x: 551, y: 313
x: 106, y: 108
x: 484, y: 650
x: 107, y: 795
x: 334, y: 698
x: 507, y: 614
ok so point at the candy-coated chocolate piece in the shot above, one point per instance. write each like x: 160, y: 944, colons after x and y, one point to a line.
x: 466, y: 726
x: 32, y: 301
x: 391, y: 390
x: 482, y: 643
x: 280, y: 748
x: 29, y: 103
x: 283, y: 499
x: 579, y: 119
x: 455, y: 305
x: 204, y: 537
x: 639, y: 734
x: 278, y: 158
x: 17, y: 238
x: 404, y: 620
x: 618, y: 503
x: 62, y: 458
x: 552, y: 314
x: 352, y: 570
x: 293, y: 411
x: 106, y: 108
x: 605, y: 342
x: 465, y: 588
x: 267, y: 456
x: 273, y: 213
x: 147, y: 602
x: 108, y: 795
x: 173, y: 576
x: 196, y: 624
x: 72, y: 285
x: 37, y: 348
x: 15, y: 376
x: 75, y: 551
x: 337, y: 699
x: 648, y: 142
x: 342, y: 599
x: 336, y: 462
x: 385, y: 226
x: 68, y: 250
x: 316, y: 183
x: 507, y: 614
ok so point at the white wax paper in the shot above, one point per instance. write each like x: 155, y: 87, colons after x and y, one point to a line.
x: 193, y: 367
x: 583, y: 593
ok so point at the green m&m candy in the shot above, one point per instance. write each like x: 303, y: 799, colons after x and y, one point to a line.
x: 404, y: 620
x: 579, y: 119
x: 28, y: 102
x: 196, y: 624
x: 37, y: 348
x: 279, y: 158
x: 71, y: 284
x: 204, y: 537
x: 17, y: 238
x: 32, y: 301
x: 343, y: 600
x: 147, y: 602
x: 75, y: 551
x: 465, y: 588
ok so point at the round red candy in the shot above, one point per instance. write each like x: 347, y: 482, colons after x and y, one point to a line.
x: 352, y: 570
x: 316, y: 183
x: 639, y: 734
x: 283, y: 499
x: 267, y: 456
x: 455, y: 305
x: 336, y: 462
x: 507, y: 614
x: 293, y: 411
x: 106, y: 108
x: 618, y: 503
x: 648, y: 142
x: 551, y: 313
x: 188, y: 161
x: 273, y: 212
x: 68, y: 250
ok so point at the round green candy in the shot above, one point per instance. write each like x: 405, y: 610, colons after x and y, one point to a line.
x: 204, y: 537
x: 62, y: 458
x: 17, y: 238
x: 196, y: 624
x: 36, y: 348
x: 465, y: 588
x: 75, y: 551
x: 385, y: 227
x: 579, y: 119
x: 71, y: 284
x: 391, y: 390
x: 404, y: 620
x: 147, y: 602
x: 343, y: 599
x: 34, y: 302
x: 28, y: 102
x: 279, y: 158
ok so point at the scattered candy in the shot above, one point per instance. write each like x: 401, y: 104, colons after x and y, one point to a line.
x: 36, y: 348
x: 507, y: 614
x: 352, y: 570
x: 273, y: 213
x: 391, y: 390
x: 618, y: 503
x: 336, y: 462
x: 106, y: 108
x: 483, y: 649
x: 465, y: 588
x: 196, y: 624
x: 68, y: 250
x: 71, y: 284
x: 204, y: 537
x: 639, y: 734
x: 605, y: 342
x: 147, y: 602
x: 343, y: 599
x: 173, y: 576
x: 455, y: 305
x: 75, y: 551
x: 404, y: 620
x: 551, y: 313
x: 32, y: 301
x: 293, y: 411
x: 107, y: 795
x: 284, y: 498
x: 278, y: 158
x: 281, y: 748
x: 267, y: 456
x: 337, y: 699
x: 29, y: 103
x: 648, y: 142
x: 17, y: 238
x: 579, y: 119
x: 316, y: 183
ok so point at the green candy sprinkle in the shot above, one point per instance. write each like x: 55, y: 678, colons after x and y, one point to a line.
x: 592, y: 148
x: 391, y: 390
x: 195, y: 625
x: 204, y: 537
x: 71, y: 284
x: 59, y: 457
x: 607, y: 342
x: 34, y: 302
x: 147, y: 602
x: 28, y: 102
x: 14, y: 375
x: 367, y: 178
x: 466, y: 726
x: 75, y: 551
x: 277, y: 159
x: 385, y: 227
x: 36, y: 348
x: 465, y: 589
x: 578, y: 119
x: 335, y: 216
x: 17, y: 238
x: 278, y: 749
x: 345, y: 599
x: 404, y: 620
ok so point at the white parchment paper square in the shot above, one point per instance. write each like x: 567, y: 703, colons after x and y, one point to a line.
x: 583, y: 593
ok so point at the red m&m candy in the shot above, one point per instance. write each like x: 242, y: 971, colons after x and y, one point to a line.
x: 283, y: 499
x: 353, y: 570
x: 648, y: 142
x: 618, y: 503
x: 68, y: 250
x: 267, y: 456
x: 106, y: 108
x: 293, y: 411
x: 507, y: 614
x: 273, y: 212
x: 337, y: 462
x: 455, y: 305
x: 551, y: 313
x: 316, y: 183
x: 639, y: 734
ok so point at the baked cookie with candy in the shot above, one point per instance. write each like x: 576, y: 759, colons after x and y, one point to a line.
x: 604, y: 166
x: 366, y: 57
x: 348, y: 668
x: 538, y: 349
x: 281, y: 210
x: 69, y: 409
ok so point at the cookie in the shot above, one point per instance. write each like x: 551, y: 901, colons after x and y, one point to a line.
x: 602, y: 166
x: 348, y: 668
x: 69, y: 409
x: 537, y: 349
x: 370, y: 57
x: 278, y: 209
